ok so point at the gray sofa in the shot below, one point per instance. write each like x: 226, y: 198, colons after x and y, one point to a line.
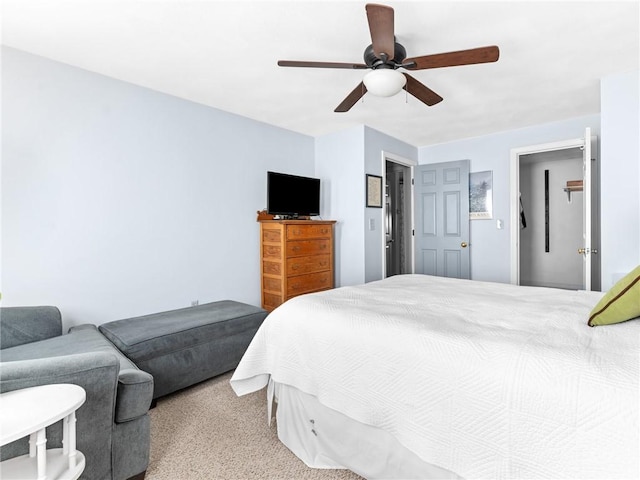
x: 113, y: 429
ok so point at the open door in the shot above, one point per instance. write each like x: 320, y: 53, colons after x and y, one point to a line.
x: 589, y: 251
x: 397, y: 219
x: 441, y: 196
x: 586, y: 217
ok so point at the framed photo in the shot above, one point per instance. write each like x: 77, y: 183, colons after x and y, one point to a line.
x: 481, y: 195
x: 374, y: 191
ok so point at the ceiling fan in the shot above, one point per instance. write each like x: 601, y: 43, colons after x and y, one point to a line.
x: 385, y: 56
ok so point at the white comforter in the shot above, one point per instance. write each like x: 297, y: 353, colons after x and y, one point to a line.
x: 486, y: 380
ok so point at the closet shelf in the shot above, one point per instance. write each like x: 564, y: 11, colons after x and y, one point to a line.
x: 573, y: 186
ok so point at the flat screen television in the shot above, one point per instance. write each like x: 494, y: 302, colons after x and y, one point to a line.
x: 292, y: 195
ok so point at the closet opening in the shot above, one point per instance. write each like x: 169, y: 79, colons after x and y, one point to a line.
x: 551, y: 220
x: 555, y: 214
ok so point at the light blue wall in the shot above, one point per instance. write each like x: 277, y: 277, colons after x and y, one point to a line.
x: 620, y: 174
x: 340, y: 165
x: 119, y: 201
x: 342, y: 160
x: 375, y: 143
x: 491, y: 248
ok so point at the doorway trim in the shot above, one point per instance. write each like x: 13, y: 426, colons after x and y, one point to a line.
x: 392, y: 157
x: 515, y: 189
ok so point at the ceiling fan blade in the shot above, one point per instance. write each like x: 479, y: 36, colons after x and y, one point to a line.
x: 295, y: 63
x: 421, y: 91
x: 381, y: 27
x: 355, y: 95
x: 453, y: 59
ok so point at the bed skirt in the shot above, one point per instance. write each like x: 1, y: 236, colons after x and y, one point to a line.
x: 324, y: 438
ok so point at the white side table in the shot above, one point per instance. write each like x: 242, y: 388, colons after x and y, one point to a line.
x: 28, y: 412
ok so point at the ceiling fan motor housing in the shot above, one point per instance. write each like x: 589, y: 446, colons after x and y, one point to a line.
x: 373, y: 61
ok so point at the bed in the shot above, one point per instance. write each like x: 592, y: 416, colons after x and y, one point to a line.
x: 418, y: 376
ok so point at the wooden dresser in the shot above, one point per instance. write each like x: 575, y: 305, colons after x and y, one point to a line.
x: 296, y: 257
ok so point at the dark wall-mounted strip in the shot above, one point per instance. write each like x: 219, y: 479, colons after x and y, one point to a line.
x: 546, y: 210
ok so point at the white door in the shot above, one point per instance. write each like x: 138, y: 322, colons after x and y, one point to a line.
x: 441, y: 196
x: 587, y: 250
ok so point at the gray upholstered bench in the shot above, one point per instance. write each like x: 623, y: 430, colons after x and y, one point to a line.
x: 186, y: 346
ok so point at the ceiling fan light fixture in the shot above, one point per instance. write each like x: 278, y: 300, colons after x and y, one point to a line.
x: 384, y: 82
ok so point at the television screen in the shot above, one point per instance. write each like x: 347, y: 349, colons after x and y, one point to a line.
x: 292, y: 195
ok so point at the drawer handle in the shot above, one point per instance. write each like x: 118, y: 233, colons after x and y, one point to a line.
x: 323, y: 246
x: 297, y: 232
x: 295, y: 267
x: 324, y: 230
x: 296, y: 248
x: 323, y: 264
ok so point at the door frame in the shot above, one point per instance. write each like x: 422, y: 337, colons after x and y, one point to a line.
x: 514, y: 198
x: 392, y: 157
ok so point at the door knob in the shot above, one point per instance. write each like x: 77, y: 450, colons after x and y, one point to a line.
x: 463, y: 244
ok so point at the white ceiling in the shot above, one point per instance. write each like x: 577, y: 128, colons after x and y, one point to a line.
x: 223, y: 54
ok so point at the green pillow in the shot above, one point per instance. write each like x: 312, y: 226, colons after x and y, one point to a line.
x: 620, y: 303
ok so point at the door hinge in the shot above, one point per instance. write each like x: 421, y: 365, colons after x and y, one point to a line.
x: 413, y: 233
x: 412, y: 182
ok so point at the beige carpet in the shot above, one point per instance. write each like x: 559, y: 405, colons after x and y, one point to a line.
x: 207, y: 432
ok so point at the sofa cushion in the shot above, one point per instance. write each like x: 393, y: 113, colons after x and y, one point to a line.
x: 80, y: 339
x: 21, y: 325
x: 135, y: 387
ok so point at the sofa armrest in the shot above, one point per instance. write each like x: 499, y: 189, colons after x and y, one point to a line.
x: 135, y: 387
x: 97, y: 373
x: 20, y: 325
x: 135, y: 392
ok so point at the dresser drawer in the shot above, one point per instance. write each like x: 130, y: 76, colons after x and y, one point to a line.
x: 272, y: 235
x: 309, y: 283
x: 271, y: 252
x: 271, y: 285
x: 271, y: 268
x: 302, y: 265
x: 301, y: 248
x: 271, y: 301
x: 300, y: 232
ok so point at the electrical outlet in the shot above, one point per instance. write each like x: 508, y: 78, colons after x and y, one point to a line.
x: 194, y: 303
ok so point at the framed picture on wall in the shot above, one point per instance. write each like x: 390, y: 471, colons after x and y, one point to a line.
x: 374, y: 191
x: 481, y: 195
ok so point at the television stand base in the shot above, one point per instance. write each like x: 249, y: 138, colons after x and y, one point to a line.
x: 292, y: 217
